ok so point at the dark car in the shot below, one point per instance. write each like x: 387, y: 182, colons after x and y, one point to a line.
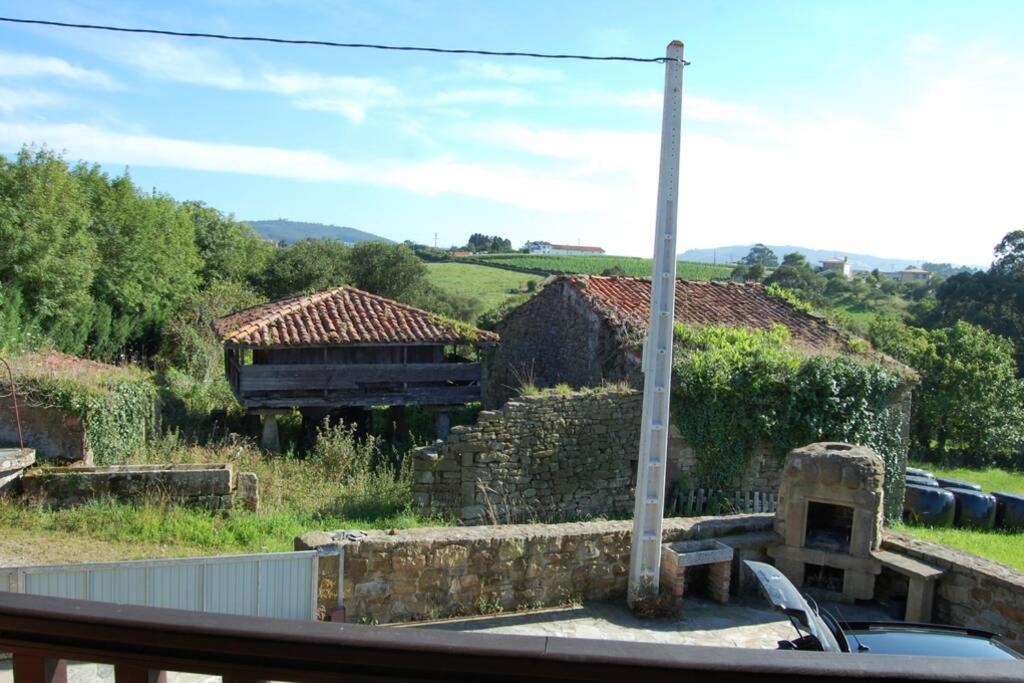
x: 821, y: 631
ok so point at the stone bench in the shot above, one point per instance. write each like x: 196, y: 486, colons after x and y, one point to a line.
x: 921, y: 592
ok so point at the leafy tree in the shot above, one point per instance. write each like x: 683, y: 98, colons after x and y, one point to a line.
x: 489, y: 243
x: 149, y: 259
x: 970, y: 396
x: 756, y: 273
x: 614, y: 271
x: 1010, y: 255
x: 305, y: 266
x: 389, y: 270
x: 49, y: 256
x: 797, y: 275
x: 229, y: 250
x: 189, y: 343
x: 760, y: 255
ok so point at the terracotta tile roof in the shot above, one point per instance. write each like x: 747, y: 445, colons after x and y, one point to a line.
x: 626, y: 301
x: 573, y: 247
x: 340, y: 316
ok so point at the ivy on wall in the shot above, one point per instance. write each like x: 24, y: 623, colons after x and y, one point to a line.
x: 116, y: 405
x: 734, y: 389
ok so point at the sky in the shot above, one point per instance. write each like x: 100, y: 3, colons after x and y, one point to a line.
x: 890, y: 128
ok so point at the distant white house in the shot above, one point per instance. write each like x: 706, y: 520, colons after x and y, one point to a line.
x: 568, y: 249
x: 912, y: 274
x: 838, y: 265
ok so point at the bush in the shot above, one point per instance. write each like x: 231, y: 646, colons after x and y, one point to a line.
x: 735, y: 389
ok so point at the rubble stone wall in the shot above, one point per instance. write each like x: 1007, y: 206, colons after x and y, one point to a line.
x: 974, y: 592
x: 205, y: 486
x: 540, y: 458
x: 56, y: 435
x: 432, y: 573
x: 554, y: 457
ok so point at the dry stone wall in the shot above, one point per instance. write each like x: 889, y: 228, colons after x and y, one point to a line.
x: 56, y: 435
x: 549, y: 457
x: 553, y: 457
x: 974, y: 592
x: 213, y: 487
x: 430, y: 573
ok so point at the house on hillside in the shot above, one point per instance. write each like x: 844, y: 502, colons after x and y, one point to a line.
x: 563, y: 249
x: 837, y: 265
x: 586, y: 331
x: 343, y: 350
x: 912, y: 274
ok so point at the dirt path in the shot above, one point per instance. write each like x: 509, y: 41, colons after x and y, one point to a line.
x: 18, y: 547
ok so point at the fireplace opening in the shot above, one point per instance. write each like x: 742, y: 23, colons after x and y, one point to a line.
x: 828, y: 527
x: 823, y: 578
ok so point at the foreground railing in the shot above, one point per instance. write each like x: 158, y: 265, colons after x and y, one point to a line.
x: 141, y: 642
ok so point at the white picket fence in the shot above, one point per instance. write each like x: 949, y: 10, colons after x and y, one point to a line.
x: 281, y: 585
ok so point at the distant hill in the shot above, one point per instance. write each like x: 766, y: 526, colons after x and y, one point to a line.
x: 282, y: 230
x: 734, y: 253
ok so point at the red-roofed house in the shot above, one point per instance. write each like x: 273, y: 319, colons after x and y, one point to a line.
x: 346, y: 348
x: 577, y: 330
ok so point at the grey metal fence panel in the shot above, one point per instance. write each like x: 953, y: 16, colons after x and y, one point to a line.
x: 281, y: 585
x: 292, y: 598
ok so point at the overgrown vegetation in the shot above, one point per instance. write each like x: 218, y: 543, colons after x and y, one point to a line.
x: 736, y: 389
x: 345, y: 483
x: 115, y: 404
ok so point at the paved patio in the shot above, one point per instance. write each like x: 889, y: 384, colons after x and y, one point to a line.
x: 745, y: 624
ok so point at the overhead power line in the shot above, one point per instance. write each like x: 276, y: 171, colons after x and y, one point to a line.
x: 328, y: 43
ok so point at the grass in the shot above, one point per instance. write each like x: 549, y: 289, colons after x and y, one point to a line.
x: 1000, y: 546
x: 597, y: 264
x: 990, y: 479
x: 492, y: 286
x: 342, y: 484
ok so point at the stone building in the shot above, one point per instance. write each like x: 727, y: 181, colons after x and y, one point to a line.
x: 587, y: 331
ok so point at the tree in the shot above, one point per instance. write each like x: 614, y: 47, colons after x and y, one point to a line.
x: 969, y: 394
x: 229, y: 250
x: 760, y: 255
x: 389, y: 270
x: 306, y: 266
x: 488, y: 243
x: 1010, y: 255
x: 49, y: 255
x: 149, y: 261
x: 796, y: 274
x: 756, y: 273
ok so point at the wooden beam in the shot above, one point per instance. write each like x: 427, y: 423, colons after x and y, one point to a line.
x: 450, y: 396
x: 341, y: 377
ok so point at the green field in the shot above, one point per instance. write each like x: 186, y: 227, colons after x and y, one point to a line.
x: 490, y: 285
x: 597, y: 264
x: 1000, y: 546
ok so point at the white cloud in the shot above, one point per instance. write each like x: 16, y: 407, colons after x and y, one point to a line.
x: 20, y: 65
x: 511, y: 185
x: 506, y: 96
x: 22, y: 98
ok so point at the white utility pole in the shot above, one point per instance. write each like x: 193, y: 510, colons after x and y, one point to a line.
x: 645, y: 556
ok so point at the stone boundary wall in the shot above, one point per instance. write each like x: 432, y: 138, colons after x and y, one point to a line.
x: 213, y: 487
x: 548, y: 457
x: 554, y: 457
x: 974, y: 592
x: 393, y: 576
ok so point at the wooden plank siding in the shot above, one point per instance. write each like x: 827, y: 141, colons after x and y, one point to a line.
x: 334, y: 377
x: 325, y: 377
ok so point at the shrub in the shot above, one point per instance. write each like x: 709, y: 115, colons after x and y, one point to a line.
x: 735, y: 389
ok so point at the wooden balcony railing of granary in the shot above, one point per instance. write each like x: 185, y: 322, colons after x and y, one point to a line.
x: 287, y: 385
x: 144, y: 642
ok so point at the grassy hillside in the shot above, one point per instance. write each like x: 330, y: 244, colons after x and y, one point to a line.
x: 595, y: 265
x: 491, y: 285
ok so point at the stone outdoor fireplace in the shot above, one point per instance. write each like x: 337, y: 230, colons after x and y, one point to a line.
x: 830, y: 519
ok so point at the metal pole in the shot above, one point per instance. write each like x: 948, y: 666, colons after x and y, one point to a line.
x: 645, y: 554
x: 14, y: 399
